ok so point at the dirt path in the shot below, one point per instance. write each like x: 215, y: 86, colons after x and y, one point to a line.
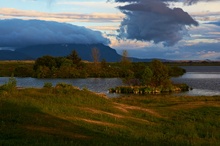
x: 125, y: 108
x: 197, y: 104
x: 124, y: 116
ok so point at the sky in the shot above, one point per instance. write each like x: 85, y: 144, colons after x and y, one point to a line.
x: 168, y: 29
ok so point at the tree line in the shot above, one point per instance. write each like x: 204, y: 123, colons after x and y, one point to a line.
x: 72, y: 66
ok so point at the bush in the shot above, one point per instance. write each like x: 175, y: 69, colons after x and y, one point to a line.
x: 160, y: 75
x: 23, y: 72
x: 48, y: 85
x: 176, y: 71
x: 10, y: 85
x: 64, y: 88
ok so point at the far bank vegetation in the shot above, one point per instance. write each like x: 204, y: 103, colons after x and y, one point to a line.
x: 152, y: 78
x: 154, y: 75
x: 72, y: 66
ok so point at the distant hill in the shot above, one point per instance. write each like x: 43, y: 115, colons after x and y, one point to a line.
x: 83, y: 50
x: 12, y: 55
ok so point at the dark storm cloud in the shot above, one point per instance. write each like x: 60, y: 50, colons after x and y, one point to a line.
x: 16, y: 33
x: 153, y: 20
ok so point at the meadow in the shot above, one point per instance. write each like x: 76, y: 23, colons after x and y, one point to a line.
x: 66, y: 115
x: 7, y: 68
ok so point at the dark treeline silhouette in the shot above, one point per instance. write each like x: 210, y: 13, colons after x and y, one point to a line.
x: 72, y: 66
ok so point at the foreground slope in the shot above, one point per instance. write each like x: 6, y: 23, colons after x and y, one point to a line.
x: 69, y: 116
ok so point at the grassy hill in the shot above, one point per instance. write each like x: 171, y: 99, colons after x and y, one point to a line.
x: 65, y: 115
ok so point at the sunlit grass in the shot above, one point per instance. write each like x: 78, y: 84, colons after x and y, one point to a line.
x: 7, y: 68
x: 49, y: 116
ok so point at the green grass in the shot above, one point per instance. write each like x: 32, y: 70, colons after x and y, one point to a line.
x: 8, y: 67
x: 48, y: 116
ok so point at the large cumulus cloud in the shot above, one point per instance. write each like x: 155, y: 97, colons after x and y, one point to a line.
x: 154, y: 20
x: 17, y: 33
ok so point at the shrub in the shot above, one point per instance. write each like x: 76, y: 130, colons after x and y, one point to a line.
x: 23, y: 72
x: 160, y: 75
x: 10, y: 85
x: 176, y: 71
x: 48, y: 85
x: 64, y: 88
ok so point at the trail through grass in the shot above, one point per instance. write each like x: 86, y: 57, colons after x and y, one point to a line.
x: 56, y: 116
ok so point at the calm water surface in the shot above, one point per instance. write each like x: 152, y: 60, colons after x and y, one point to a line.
x: 205, y: 80
x: 100, y: 85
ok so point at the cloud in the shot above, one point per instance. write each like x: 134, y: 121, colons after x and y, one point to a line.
x: 208, y: 54
x: 206, y: 33
x: 153, y: 20
x: 61, y: 17
x: 190, y: 2
x: 206, y: 16
x: 215, y: 23
x: 202, y: 51
x: 17, y: 33
x: 181, y: 51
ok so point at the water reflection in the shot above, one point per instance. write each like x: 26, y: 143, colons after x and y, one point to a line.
x: 100, y: 85
x: 200, y: 92
x: 202, y: 69
x: 204, y: 75
x: 203, y: 80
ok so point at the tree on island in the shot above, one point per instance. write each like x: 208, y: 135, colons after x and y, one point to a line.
x: 47, y: 61
x: 74, y: 57
x: 160, y: 75
x: 154, y: 78
x: 155, y: 75
x: 146, y: 77
x: 125, y: 65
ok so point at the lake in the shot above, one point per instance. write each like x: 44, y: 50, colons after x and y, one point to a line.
x: 205, y: 80
x: 100, y: 85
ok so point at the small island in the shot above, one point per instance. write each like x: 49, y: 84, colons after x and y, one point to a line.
x: 67, y: 115
x: 139, y: 77
x: 154, y: 79
x: 149, y: 89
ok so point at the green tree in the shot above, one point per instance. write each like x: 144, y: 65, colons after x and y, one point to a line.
x: 60, y: 61
x: 104, y: 64
x: 10, y: 85
x: 74, y: 57
x: 47, y: 61
x: 160, y: 75
x: 125, y: 64
x: 176, y: 71
x: 66, y: 62
x: 43, y: 72
x: 146, y: 76
x: 22, y: 71
x: 125, y: 59
x: 138, y: 68
x: 129, y: 78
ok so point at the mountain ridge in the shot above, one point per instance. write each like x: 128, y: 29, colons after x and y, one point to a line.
x: 60, y: 50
